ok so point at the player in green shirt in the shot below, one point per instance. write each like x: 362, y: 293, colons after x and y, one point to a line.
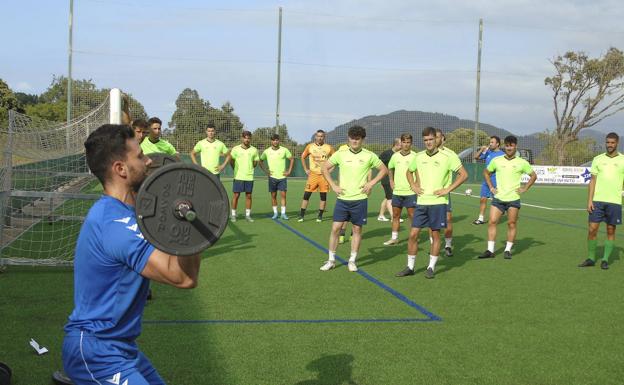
x: 604, y: 203
x: 448, y: 231
x: 402, y: 194
x: 211, y: 149
x: 509, y: 170
x: 154, y: 143
x: 243, y: 158
x: 354, y: 164
x: 433, y: 168
x: 275, y: 156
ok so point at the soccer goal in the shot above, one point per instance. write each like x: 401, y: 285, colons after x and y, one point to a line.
x: 46, y: 188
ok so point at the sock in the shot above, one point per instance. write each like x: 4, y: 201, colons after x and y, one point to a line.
x: 233, y: 213
x: 481, y: 218
x: 591, y: 248
x: 302, y: 213
x: 491, y: 246
x: 508, y: 246
x: 608, y: 248
x: 320, y: 215
x: 332, y: 256
x: 247, y: 212
x: 274, y: 209
x: 432, y: 262
x: 411, y: 260
x: 353, y: 256
x: 395, y: 235
x: 283, y: 210
x: 448, y: 241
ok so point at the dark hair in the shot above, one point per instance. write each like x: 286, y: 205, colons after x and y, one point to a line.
x: 495, y: 138
x: 356, y: 132
x: 407, y: 136
x: 275, y: 136
x: 246, y: 133
x: 210, y: 125
x: 613, y: 135
x: 140, y: 123
x: 429, y: 131
x: 320, y: 131
x: 106, y: 145
x: 154, y: 120
x: 511, y: 140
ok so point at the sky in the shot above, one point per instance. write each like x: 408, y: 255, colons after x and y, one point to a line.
x: 341, y: 59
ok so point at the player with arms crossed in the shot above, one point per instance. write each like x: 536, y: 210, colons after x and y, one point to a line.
x: 319, y: 152
x: 604, y: 202
x: 275, y: 156
x: 434, y: 168
x: 354, y: 165
x: 210, y: 150
x: 509, y: 170
x: 113, y: 266
x: 487, y: 153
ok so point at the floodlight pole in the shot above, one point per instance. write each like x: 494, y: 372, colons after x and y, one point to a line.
x: 476, y: 129
x: 279, y: 71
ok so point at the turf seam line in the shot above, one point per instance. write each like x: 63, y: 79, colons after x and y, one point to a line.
x: 367, y: 276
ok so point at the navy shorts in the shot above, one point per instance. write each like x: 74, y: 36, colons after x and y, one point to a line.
x: 504, y: 206
x: 351, y: 211
x: 240, y: 186
x: 387, y: 190
x: 407, y: 201
x: 449, y: 206
x: 432, y: 216
x: 91, y: 360
x: 277, y: 184
x: 610, y: 213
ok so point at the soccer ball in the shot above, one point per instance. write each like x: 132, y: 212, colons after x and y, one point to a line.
x: 468, y: 191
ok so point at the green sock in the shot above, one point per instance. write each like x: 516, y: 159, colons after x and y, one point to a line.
x: 591, y: 247
x: 608, y: 248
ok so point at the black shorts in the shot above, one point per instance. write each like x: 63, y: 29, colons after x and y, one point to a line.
x: 387, y: 190
x: 504, y: 206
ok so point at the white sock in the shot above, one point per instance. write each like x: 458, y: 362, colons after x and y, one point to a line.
x: 233, y: 213
x: 395, y: 235
x: 411, y: 260
x: 283, y: 210
x: 247, y: 212
x: 481, y: 218
x: 508, y: 246
x: 448, y: 241
x: 432, y: 262
x: 332, y: 256
x: 491, y: 246
x: 431, y: 240
x: 353, y: 256
x: 274, y: 209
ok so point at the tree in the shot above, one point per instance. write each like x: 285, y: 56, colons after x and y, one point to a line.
x: 8, y: 101
x: 585, y: 92
x: 262, y: 137
x: 577, y: 152
x: 462, y: 138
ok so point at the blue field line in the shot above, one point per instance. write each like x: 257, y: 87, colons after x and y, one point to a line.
x: 375, y: 281
x: 292, y: 321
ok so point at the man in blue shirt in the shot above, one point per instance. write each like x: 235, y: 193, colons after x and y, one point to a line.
x: 487, y: 153
x: 113, y: 266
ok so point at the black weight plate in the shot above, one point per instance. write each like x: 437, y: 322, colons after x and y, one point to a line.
x: 159, y: 160
x: 5, y: 374
x: 156, y: 215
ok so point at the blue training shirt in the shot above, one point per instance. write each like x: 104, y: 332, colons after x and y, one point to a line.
x: 488, y: 156
x: 109, y: 291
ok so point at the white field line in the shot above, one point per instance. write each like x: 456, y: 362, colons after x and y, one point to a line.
x: 530, y: 205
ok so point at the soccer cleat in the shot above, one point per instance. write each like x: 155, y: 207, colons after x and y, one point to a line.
x: 448, y: 251
x: 507, y: 254
x: 300, y: 219
x: 587, y: 263
x: 383, y: 219
x: 391, y: 242
x: 249, y: 219
x: 233, y: 218
x: 401, y: 220
x: 274, y: 216
x: 429, y: 273
x: 319, y: 220
x: 486, y: 254
x: 284, y: 217
x: 341, y: 239
x: 352, y: 266
x: 328, y: 266
x: 478, y: 222
x: 405, y: 272
x: 604, y: 265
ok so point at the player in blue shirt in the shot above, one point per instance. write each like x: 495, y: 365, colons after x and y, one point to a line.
x: 113, y: 266
x: 487, y: 153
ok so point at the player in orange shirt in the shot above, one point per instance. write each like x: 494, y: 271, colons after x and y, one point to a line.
x: 319, y: 152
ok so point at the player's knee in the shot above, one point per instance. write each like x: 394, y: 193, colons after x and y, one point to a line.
x: 307, y: 195
x: 323, y: 196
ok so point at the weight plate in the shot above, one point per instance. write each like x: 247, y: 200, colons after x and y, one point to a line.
x: 181, y: 185
x: 159, y: 160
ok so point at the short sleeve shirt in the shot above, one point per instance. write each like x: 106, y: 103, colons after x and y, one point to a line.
x: 450, y: 153
x: 318, y: 155
x: 489, y: 155
x: 353, y: 173
x: 508, y: 176
x: 162, y: 147
x: 433, y: 173
x: 109, y: 290
x: 385, y: 158
x: 210, y: 153
x: 400, y: 163
x: 244, y: 162
x: 276, y: 160
x: 609, y: 172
